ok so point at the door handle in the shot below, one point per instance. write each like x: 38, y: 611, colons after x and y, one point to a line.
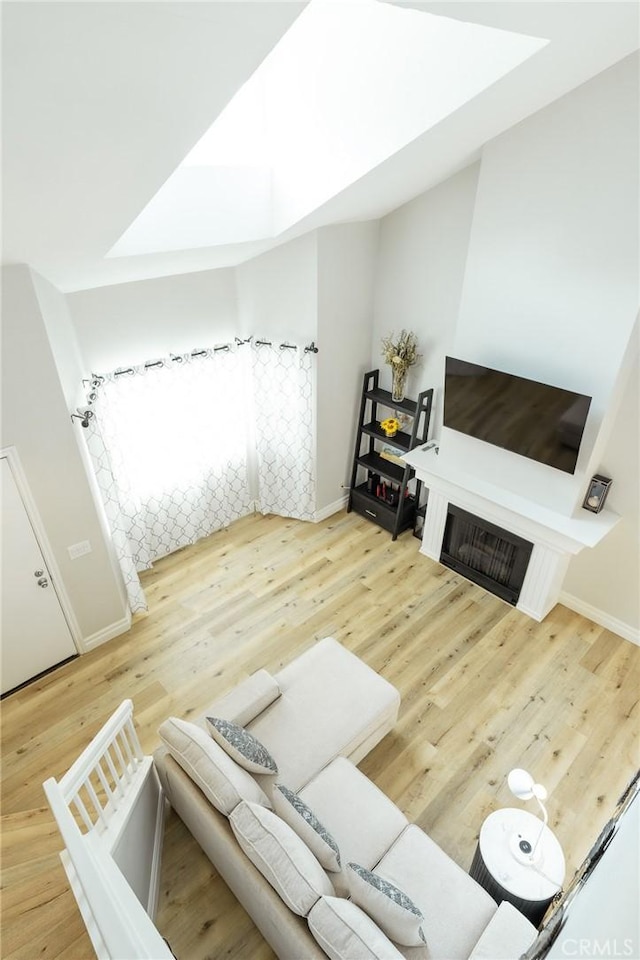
x: 38, y: 573
x: 43, y: 582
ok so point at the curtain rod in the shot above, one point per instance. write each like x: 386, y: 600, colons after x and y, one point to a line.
x: 85, y: 413
x: 284, y: 346
x: 97, y: 379
x: 178, y: 358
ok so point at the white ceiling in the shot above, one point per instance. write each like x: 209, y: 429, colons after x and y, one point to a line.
x: 300, y: 131
x: 102, y: 101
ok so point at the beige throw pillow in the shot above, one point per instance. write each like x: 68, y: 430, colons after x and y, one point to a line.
x: 222, y: 781
x: 281, y: 857
x: 390, y: 907
x: 345, y: 932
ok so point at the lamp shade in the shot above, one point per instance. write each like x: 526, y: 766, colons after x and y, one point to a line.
x: 523, y: 786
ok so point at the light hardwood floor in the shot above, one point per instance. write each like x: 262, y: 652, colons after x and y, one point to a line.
x: 484, y: 689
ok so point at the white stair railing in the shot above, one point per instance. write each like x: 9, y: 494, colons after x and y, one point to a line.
x: 93, y: 803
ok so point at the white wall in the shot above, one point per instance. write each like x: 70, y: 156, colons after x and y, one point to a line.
x: 550, y: 291
x: 62, y: 339
x: 605, y: 580
x: 130, y: 323
x: 35, y: 419
x: 551, y: 285
x: 320, y: 287
x: 278, y: 292
x: 419, y: 275
x: 71, y: 372
x: 346, y: 270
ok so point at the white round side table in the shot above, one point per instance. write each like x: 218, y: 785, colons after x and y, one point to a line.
x: 511, y: 866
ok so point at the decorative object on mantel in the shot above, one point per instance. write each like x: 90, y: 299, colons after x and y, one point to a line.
x: 390, y: 426
x: 400, y: 354
x: 597, y: 493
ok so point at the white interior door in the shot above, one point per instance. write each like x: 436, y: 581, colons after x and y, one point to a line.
x: 35, y: 634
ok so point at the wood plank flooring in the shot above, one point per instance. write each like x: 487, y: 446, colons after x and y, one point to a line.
x: 484, y: 689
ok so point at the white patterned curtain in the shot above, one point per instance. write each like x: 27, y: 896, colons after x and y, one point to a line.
x: 168, y: 441
x: 119, y: 523
x: 283, y: 381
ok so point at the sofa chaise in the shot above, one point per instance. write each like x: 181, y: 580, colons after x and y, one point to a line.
x: 384, y: 889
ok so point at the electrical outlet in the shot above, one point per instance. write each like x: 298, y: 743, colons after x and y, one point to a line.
x: 79, y: 549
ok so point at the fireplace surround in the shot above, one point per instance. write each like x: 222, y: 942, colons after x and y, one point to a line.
x: 554, y: 537
x: 492, y: 557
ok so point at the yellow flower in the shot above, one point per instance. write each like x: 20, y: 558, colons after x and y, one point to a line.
x: 390, y: 426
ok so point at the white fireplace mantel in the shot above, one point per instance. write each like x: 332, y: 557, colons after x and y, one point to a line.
x: 555, y: 537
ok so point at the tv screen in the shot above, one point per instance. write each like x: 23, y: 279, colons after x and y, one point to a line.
x: 532, y: 419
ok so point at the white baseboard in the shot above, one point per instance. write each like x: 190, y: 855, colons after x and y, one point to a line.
x: 334, y: 507
x: 600, y: 617
x: 318, y: 515
x: 107, y: 633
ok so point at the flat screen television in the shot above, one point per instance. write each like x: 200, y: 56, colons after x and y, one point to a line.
x: 529, y: 418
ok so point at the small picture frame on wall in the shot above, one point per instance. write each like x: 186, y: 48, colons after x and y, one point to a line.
x: 597, y: 493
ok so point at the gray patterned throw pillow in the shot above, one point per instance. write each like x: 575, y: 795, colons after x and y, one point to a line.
x: 294, y: 811
x: 242, y: 746
x: 394, y: 912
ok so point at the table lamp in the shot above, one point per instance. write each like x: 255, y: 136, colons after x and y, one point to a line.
x: 523, y: 786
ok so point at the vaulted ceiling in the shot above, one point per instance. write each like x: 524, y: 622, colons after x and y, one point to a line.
x: 102, y: 102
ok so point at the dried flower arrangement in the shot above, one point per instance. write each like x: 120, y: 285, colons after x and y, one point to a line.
x: 401, y: 353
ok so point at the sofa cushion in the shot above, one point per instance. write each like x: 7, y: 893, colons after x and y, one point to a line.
x: 442, y: 890
x: 338, y: 795
x: 221, y: 780
x: 330, y: 703
x: 242, y: 746
x: 388, y: 905
x: 345, y: 932
x: 245, y: 701
x: 508, y: 934
x: 303, y: 820
x: 281, y: 856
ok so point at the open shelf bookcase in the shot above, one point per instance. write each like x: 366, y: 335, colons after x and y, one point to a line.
x: 381, y: 488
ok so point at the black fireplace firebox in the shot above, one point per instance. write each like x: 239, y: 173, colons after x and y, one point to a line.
x: 490, y: 556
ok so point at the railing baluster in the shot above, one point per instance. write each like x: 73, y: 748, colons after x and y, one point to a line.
x: 103, y: 780
x: 133, y: 739
x: 116, y: 747
x: 94, y: 800
x: 82, y: 810
x: 114, y: 773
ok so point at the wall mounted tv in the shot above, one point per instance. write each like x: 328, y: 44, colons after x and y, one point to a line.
x: 532, y: 419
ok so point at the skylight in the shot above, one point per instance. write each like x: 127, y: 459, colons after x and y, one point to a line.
x: 350, y: 84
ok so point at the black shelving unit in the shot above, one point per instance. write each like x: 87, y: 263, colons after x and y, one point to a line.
x: 384, y: 496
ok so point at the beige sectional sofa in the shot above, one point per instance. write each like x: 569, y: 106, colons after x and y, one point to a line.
x: 318, y: 717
